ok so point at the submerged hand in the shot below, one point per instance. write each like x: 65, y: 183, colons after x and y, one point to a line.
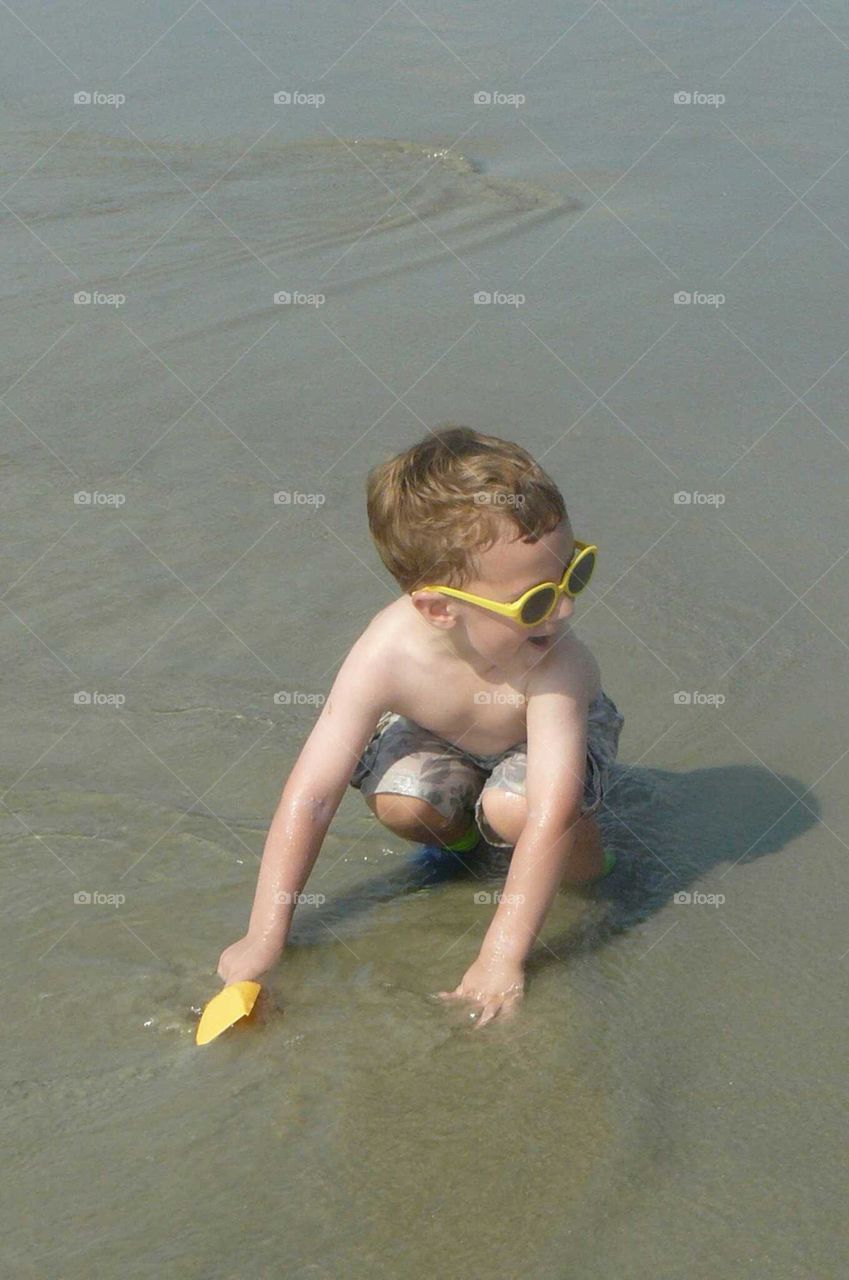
x: 247, y: 959
x: 496, y: 986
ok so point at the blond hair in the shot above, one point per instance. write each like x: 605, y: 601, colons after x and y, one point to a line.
x: 432, y: 507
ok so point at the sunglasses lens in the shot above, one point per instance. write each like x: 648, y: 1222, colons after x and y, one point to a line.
x: 581, y: 574
x: 537, y: 606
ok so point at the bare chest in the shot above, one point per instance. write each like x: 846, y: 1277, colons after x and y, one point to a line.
x: 479, y: 715
x: 484, y: 714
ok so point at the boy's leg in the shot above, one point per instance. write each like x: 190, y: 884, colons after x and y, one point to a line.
x: 419, y: 786
x: 587, y: 861
x: 501, y: 809
x: 415, y: 819
x: 507, y: 813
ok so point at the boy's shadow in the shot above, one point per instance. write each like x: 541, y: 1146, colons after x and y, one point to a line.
x: 680, y: 833
x: 668, y: 831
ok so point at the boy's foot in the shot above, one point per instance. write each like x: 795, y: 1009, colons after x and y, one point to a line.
x: 467, y: 842
x: 609, y: 864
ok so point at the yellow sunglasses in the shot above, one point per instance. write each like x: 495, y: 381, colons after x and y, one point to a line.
x: 537, y: 603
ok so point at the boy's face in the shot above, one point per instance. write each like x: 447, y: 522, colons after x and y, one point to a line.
x: 508, y: 568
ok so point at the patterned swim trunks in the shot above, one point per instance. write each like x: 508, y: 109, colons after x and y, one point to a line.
x: 408, y: 760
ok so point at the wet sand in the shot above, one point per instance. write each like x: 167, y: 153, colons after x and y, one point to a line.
x: 669, y: 1101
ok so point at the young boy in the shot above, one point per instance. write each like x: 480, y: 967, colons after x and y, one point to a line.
x: 467, y: 706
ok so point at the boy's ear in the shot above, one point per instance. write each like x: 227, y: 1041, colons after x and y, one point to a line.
x: 434, y: 608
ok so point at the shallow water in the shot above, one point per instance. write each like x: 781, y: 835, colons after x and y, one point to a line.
x: 667, y: 1102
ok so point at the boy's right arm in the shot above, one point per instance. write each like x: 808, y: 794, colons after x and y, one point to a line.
x: 313, y: 790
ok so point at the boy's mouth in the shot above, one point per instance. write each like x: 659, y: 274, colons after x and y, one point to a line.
x: 543, y: 642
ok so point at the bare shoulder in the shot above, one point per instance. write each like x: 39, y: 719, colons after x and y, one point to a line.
x: 569, y: 669
x: 369, y: 664
x: 361, y: 691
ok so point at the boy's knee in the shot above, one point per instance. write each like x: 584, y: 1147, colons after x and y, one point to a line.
x: 408, y: 816
x: 505, y: 812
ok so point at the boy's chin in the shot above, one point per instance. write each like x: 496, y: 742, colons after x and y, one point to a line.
x: 518, y: 652
x: 498, y: 655
x: 539, y: 644
x: 503, y: 653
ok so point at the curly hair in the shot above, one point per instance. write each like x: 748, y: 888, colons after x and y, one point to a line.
x: 434, y: 506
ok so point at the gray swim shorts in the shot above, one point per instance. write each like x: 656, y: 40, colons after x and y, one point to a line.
x: 406, y: 759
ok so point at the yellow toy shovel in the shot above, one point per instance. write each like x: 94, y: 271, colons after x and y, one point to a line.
x: 231, y: 1004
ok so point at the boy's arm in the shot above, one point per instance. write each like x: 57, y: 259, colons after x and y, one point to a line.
x: 306, y: 807
x: 557, y: 736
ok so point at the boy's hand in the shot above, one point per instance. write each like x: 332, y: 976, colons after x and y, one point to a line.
x: 496, y: 986
x: 246, y: 959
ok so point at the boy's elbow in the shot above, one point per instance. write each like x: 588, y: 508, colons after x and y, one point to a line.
x: 556, y: 798
x: 313, y: 789
x: 556, y: 817
x: 319, y: 806
x: 316, y: 801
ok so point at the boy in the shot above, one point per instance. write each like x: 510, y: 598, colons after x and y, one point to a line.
x: 467, y: 706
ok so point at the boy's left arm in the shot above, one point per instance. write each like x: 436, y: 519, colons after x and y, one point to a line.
x: 557, y: 746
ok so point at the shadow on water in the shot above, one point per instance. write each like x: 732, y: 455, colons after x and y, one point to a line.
x: 668, y: 830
